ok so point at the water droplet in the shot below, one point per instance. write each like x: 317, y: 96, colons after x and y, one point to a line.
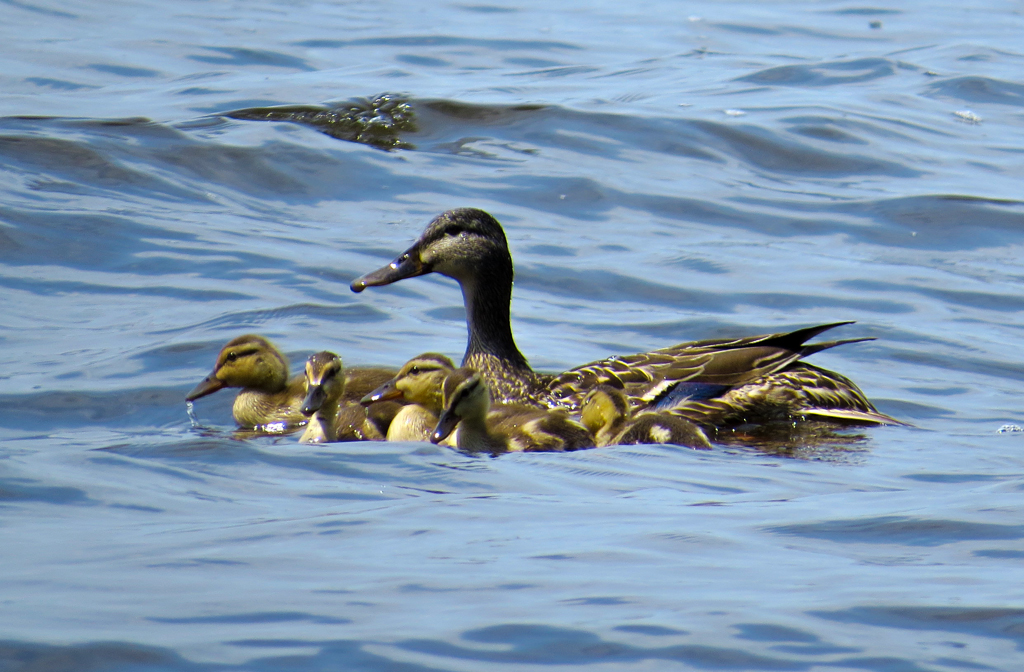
x: 191, y: 410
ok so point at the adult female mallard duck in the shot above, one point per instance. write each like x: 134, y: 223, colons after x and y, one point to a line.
x: 469, y: 246
x: 329, y: 418
x: 607, y: 414
x: 419, y: 383
x: 506, y: 428
x: 269, y: 401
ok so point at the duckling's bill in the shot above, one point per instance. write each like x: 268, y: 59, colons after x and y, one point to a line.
x: 385, y: 392
x: 445, y: 426
x: 315, y: 397
x: 209, y: 385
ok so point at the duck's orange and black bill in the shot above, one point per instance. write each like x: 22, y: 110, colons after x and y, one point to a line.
x: 209, y: 385
x: 314, y: 400
x: 406, y: 266
x: 445, y: 426
x: 385, y: 392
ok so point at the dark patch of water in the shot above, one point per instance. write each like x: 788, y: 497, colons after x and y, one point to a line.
x: 901, y: 530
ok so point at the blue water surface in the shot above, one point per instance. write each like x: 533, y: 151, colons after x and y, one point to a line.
x: 665, y: 172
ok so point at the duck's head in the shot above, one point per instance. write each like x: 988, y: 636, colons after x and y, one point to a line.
x: 418, y: 381
x: 466, y: 397
x: 247, y: 361
x: 461, y: 244
x: 325, y: 382
x: 604, y: 406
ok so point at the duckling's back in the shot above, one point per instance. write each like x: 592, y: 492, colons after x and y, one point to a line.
x: 649, y: 428
x: 530, y: 429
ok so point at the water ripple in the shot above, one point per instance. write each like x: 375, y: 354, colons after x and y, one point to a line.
x: 824, y: 74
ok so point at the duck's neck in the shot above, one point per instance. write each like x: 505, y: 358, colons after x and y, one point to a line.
x: 488, y: 300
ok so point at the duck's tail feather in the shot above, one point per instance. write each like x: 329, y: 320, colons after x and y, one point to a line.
x: 852, y: 416
x: 808, y: 350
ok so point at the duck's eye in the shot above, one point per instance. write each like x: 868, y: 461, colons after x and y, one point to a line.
x: 232, y: 356
x: 454, y: 231
x: 414, y: 371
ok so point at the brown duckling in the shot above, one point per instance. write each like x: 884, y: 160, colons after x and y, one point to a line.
x: 419, y: 383
x: 254, y: 364
x: 506, y: 428
x: 268, y: 397
x: 331, y: 419
x: 607, y: 414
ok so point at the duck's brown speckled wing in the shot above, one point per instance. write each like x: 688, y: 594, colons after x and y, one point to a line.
x: 731, y: 363
x: 802, y: 391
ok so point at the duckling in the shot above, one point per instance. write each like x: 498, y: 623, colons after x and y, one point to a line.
x: 254, y: 364
x: 607, y: 414
x: 469, y: 246
x: 507, y: 428
x: 418, y: 382
x: 268, y: 397
x: 329, y: 419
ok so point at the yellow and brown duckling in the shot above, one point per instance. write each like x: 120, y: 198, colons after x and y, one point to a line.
x: 506, y: 428
x: 470, y: 246
x: 269, y: 400
x: 606, y: 412
x: 267, y: 397
x: 419, y: 383
x: 330, y: 418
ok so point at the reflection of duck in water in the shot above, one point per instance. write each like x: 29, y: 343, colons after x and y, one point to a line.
x: 506, y: 428
x: 254, y: 364
x: 607, y: 414
x: 726, y: 380
x: 419, y: 383
x: 329, y: 418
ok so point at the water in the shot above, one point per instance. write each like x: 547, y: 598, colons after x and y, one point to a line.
x: 664, y: 172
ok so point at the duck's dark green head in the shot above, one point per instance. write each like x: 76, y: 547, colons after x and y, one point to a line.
x: 461, y: 244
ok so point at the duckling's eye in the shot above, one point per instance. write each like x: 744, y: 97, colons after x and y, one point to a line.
x: 454, y: 231
x: 231, y: 356
x: 414, y: 371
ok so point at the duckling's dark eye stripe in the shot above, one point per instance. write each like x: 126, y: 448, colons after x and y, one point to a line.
x: 237, y: 354
x: 468, y: 389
